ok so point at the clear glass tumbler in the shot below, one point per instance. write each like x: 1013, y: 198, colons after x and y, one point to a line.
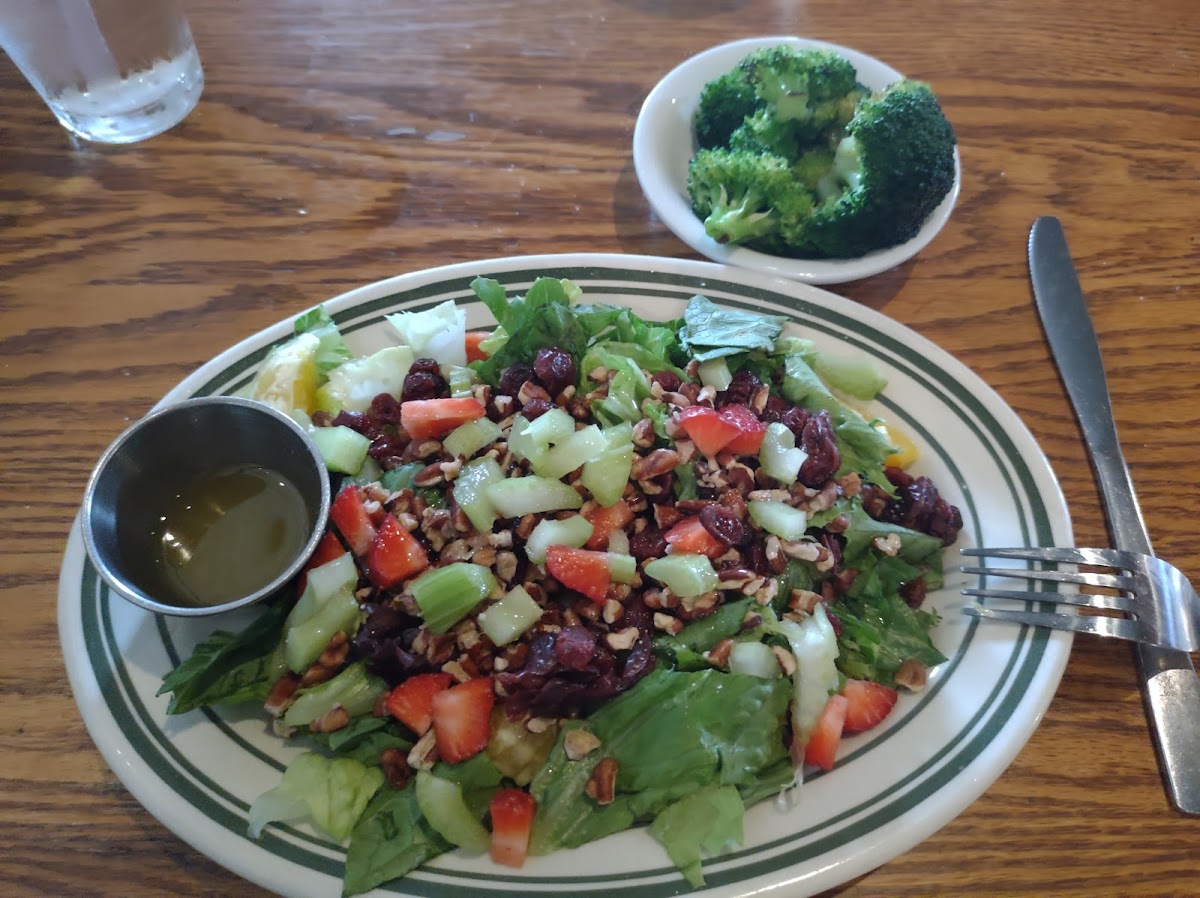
x: 115, y: 71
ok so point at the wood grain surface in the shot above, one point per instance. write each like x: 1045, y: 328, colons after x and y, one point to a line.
x: 342, y: 141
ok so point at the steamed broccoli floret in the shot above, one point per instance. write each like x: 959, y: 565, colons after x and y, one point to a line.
x: 816, y: 90
x: 763, y: 133
x: 892, y: 170
x: 724, y: 104
x: 745, y: 197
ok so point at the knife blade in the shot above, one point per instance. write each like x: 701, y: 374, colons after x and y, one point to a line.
x: 1170, y: 687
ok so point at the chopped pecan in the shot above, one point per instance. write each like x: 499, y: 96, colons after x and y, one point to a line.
x: 718, y: 655
x: 602, y: 784
x: 329, y: 662
x: 580, y: 743
x: 660, y: 461
x: 912, y: 675
x: 667, y: 623
x: 428, y: 475
x: 395, y: 767
x: 280, y: 698
x: 424, y: 754
x: 643, y: 433
x: 622, y: 640
x: 333, y: 719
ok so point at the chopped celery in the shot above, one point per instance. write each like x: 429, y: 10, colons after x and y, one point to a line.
x: 715, y: 373
x: 621, y: 568
x: 778, y: 518
x: 510, y: 617
x: 470, y: 491
x: 532, y: 439
x: 305, y: 640
x: 442, y: 806
x: 446, y: 594
x: 685, y: 574
x: 580, y: 447
x: 573, y: 531
x: 814, y: 645
x: 461, y: 380
x: 607, y: 475
x: 354, y: 689
x: 343, y: 449
x: 469, y: 438
x: 753, y: 658
x: 328, y: 578
x: 779, y: 456
x: 353, y: 384
x: 518, y: 496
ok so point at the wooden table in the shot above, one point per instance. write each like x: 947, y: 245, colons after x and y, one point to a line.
x: 341, y: 142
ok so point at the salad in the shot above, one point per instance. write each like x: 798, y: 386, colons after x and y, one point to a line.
x: 584, y: 572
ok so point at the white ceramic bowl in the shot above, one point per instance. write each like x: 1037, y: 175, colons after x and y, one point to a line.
x: 663, y: 146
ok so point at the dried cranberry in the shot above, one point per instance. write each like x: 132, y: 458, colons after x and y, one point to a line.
x: 650, y: 543
x: 913, y: 592
x: 794, y: 420
x: 555, y: 368
x: 823, y: 457
x: 574, y: 647
x: 723, y: 524
x: 385, y: 409
x: 423, y: 385
x: 741, y: 389
x: 774, y: 410
x: 668, y: 380
x: 514, y: 377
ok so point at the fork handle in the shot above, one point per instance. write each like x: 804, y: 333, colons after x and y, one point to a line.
x: 1170, y: 688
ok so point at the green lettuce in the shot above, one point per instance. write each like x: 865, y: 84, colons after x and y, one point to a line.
x: 671, y: 735
x: 332, y: 792
x: 710, y: 331
x: 390, y: 840
x: 707, y: 822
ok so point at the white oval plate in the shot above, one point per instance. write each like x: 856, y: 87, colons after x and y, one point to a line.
x: 663, y: 146
x: 892, y: 787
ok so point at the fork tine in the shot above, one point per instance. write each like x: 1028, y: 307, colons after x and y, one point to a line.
x: 1084, y: 578
x: 1085, y: 600
x: 1120, y: 627
x: 1062, y: 555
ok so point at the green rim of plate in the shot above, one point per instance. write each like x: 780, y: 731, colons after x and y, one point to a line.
x: 147, y: 738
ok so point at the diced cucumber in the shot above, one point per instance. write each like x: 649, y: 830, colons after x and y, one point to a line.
x: 332, y: 576
x: 685, y: 574
x: 516, y: 752
x: 621, y: 568
x: 353, y: 384
x: 607, y: 476
x: 517, y: 496
x: 469, y: 438
x: 778, y: 518
x: 753, y: 658
x: 573, y: 531
x: 715, y: 373
x: 510, y: 617
x: 304, y: 642
x: 441, y: 804
x: 779, y: 456
x: 470, y: 492
x: 354, y: 689
x: 343, y: 449
x: 370, y: 472
x: 461, y: 380
x: 574, y: 451
x: 446, y: 594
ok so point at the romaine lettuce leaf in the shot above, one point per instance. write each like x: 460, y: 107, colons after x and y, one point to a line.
x: 704, y: 823
x: 672, y: 734
x: 332, y: 792
x: 711, y: 331
x: 332, y: 349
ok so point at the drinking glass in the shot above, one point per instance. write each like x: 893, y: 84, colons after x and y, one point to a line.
x: 114, y: 71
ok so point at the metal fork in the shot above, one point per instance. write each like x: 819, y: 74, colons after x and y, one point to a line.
x: 1156, y: 603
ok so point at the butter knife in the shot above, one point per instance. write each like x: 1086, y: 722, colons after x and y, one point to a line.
x: 1170, y: 687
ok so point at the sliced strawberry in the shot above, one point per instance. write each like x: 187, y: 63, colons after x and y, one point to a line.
x: 432, y: 419
x: 474, y: 338
x: 329, y: 548
x: 750, y: 430
x: 707, y: 429
x: 461, y: 719
x: 581, y: 570
x: 395, y: 555
x: 349, y: 515
x: 512, y: 813
x: 605, y: 521
x: 823, y: 743
x: 689, y: 535
x: 869, y: 703
x: 411, y: 702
